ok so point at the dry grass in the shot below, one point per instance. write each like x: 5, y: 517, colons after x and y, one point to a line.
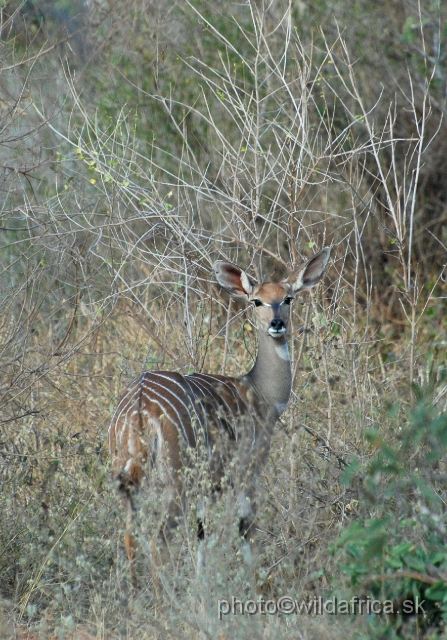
x: 108, y: 236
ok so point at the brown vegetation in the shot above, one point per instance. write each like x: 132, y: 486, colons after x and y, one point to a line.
x: 142, y: 141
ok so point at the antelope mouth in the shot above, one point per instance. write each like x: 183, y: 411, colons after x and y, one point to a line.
x: 277, y: 333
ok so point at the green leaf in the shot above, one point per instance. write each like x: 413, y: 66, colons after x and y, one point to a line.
x: 409, y: 30
x: 437, y: 592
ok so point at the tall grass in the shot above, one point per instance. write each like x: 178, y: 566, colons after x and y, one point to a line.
x: 273, y: 151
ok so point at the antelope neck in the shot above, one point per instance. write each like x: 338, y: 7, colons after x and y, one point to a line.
x: 272, y: 374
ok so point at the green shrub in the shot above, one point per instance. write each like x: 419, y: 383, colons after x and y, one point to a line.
x: 396, y: 549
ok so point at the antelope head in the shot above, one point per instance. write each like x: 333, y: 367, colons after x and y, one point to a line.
x: 272, y: 300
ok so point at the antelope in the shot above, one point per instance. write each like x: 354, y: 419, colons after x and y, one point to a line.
x: 162, y: 414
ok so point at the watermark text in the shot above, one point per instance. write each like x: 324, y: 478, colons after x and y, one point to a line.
x: 286, y: 605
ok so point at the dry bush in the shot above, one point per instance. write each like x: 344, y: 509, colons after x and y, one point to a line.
x: 267, y: 148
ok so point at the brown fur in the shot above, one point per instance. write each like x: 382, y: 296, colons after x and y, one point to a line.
x: 162, y: 413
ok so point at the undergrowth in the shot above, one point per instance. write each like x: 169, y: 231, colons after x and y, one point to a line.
x: 138, y: 148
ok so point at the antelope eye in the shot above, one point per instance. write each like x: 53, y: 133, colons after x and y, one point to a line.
x: 288, y: 300
x: 258, y: 303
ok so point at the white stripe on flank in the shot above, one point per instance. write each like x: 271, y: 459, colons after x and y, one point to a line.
x: 209, y: 391
x: 158, y: 399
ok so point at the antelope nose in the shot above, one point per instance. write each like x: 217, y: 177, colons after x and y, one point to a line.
x: 277, y: 324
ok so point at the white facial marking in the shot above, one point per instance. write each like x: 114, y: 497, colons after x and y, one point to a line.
x: 282, y: 351
x: 276, y: 334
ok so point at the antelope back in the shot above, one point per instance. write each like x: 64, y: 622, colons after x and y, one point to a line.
x: 162, y: 414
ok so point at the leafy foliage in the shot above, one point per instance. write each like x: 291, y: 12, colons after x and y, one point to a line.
x: 396, y: 548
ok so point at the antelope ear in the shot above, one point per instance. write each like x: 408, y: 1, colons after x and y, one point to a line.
x: 307, y: 276
x: 233, y: 279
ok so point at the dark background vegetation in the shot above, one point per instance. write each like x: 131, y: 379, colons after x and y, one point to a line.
x: 140, y: 141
